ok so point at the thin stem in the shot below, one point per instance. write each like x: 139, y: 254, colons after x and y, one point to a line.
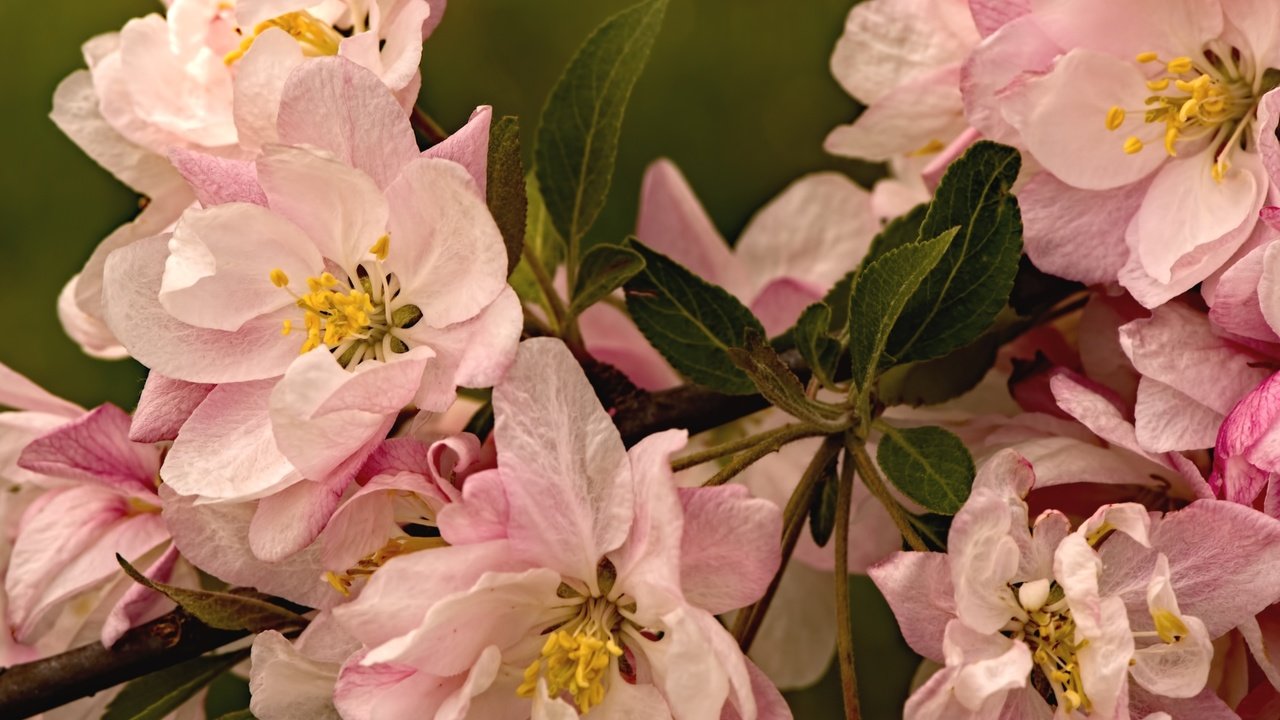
x: 871, y: 478
x: 748, y: 622
x: 735, y: 446
x: 754, y: 453
x: 547, y: 286
x: 844, y: 615
x: 425, y: 124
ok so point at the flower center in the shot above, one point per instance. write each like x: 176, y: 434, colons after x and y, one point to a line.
x: 370, y: 563
x: 1210, y: 100
x: 315, y: 36
x: 1050, y: 632
x: 357, y: 318
x: 576, y: 656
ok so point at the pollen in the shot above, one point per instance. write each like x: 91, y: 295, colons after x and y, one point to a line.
x: 278, y: 278
x: 1179, y: 65
x: 1115, y: 117
x: 1133, y: 145
x: 1147, y: 57
x: 316, y: 37
x: 381, y: 247
x: 576, y: 656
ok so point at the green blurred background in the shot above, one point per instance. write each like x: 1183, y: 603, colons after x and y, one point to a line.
x: 738, y: 94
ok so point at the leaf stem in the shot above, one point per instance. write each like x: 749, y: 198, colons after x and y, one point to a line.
x: 844, y: 614
x: 425, y: 124
x: 871, y: 478
x: 548, y: 288
x: 735, y: 446
x: 747, y: 623
x: 771, y: 444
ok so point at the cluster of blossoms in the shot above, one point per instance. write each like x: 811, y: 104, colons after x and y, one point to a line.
x: 354, y: 411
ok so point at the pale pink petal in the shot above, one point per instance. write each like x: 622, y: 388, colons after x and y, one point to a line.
x: 1167, y: 419
x: 987, y: 665
x: 918, y: 589
x: 1126, y: 29
x: 1185, y: 207
x: 1095, y: 410
x: 1268, y: 145
x: 185, y: 352
x: 1205, y: 706
x: 1237, y: 305
x: 480, y: 515
x: 1078, y: 234
x: 612, y: 338
x: 336, y: 105
x: 215, y: 538
x: 217, y: 274
x: 326, y: 420
x: 990, y: 15
x: 289, y: 520
x: 140, y: 603
x: 399, y: 595
x: 1101, y: 621
x: 729, y: 552
x: 565, y: 470
x: 445, y: 246
x: 96, y: 449
x: 359, y: 686
x: 795, y: 644
x: 76, y: 113
x: 1244, y: 440
x: 89, y: 332
x: 469, y: 146
x: 650, y: 563
x: 288, y: 685
x: 922, y: 111
x: 1179, y: 669
x: 640, y: 701
x: 365, y: 521
x: 20, y: 393
x: 983, y: 546
x: 1101, y: 355
x: 165, y: 404
x: 472, y: 353
x: 780, y: 303
x: 217, y: 180
x: 259, y: 82
x: 1015, y: 53
x: 1065, y: 130
x: 227, y: 450
x: 338, y: 207
x: 672, y: 221
x: 1192, y: 268
x: 811, y: 232
x: 694, y: 669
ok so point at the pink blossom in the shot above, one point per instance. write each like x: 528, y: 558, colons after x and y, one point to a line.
x: 901, y: 59
x: 1153, y: 178
x: 1112, y: 619
x: 382, y: 267
x: 600, y: 548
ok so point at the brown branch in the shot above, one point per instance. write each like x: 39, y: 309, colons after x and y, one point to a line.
x: 35, y: 687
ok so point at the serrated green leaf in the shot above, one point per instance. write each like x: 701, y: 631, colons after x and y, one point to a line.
x: 902, y: 230
x: 577, y: 142
x: 880, y: 294
x: 152, y: 697
x: 813, y: 341
x: 542, y: 244
x: 604, y: 268
x: 930, y: 382
x: 691, y: 322
x: 507, y: 199
x: 778, y: 384
x: 969, y: 286
x: 222, y: 610
x: 928, y: 464
x: 822, y: 511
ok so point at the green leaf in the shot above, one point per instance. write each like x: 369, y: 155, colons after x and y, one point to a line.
x: 505, y: 186
x: 969, y: 286
x: 930, y: 382
x: 928, y: 464
x: 838, y: 299
x: 222, y: 610
x: 577, y: 142
x: 881, y: 292
x: 604, y: 268
x: 152, y: 697
x: 778, y: 384
x: 691, y: 322
x: 542, y: 244
x: 815, y: 344
x: 822, y: 511
x: 902, y: 230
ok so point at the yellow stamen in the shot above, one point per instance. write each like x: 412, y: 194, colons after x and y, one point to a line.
x: 370, y: 563
x: 575, y: 659
x: 286, y: 327
x: 929, y: 148
x: 1219, y: 169
x: 1132, y: 146
x: 1115, y: 117
x: 278, y: 278
x: 1158, y: 85
x: 382, y: 247
x: 1179, y: 65
x: 1147, y: 57
x: 1169, y: 627
x: 314, y: 36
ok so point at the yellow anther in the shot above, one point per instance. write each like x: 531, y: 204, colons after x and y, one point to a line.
x: 1170, y: 139
x: 1179, y: 65
x: 575, y: 658
x: 1158, y: 85
x: 286, y: 327
x: 1147, y: 57
x: 1169, y: 627
x: 278, y: 278
x: 929, y: 148
x: 1219, y: 169
x: 338, y: 583
x: 381, y: 247
x: 1132, y: 146
x: 314, y: 36
x: 1115, y: 117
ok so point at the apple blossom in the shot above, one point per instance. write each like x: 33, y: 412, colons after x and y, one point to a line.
x: 323, y: 292
x: 597, y: 597
x: 1113, y: 617
x: 1153, y: 179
